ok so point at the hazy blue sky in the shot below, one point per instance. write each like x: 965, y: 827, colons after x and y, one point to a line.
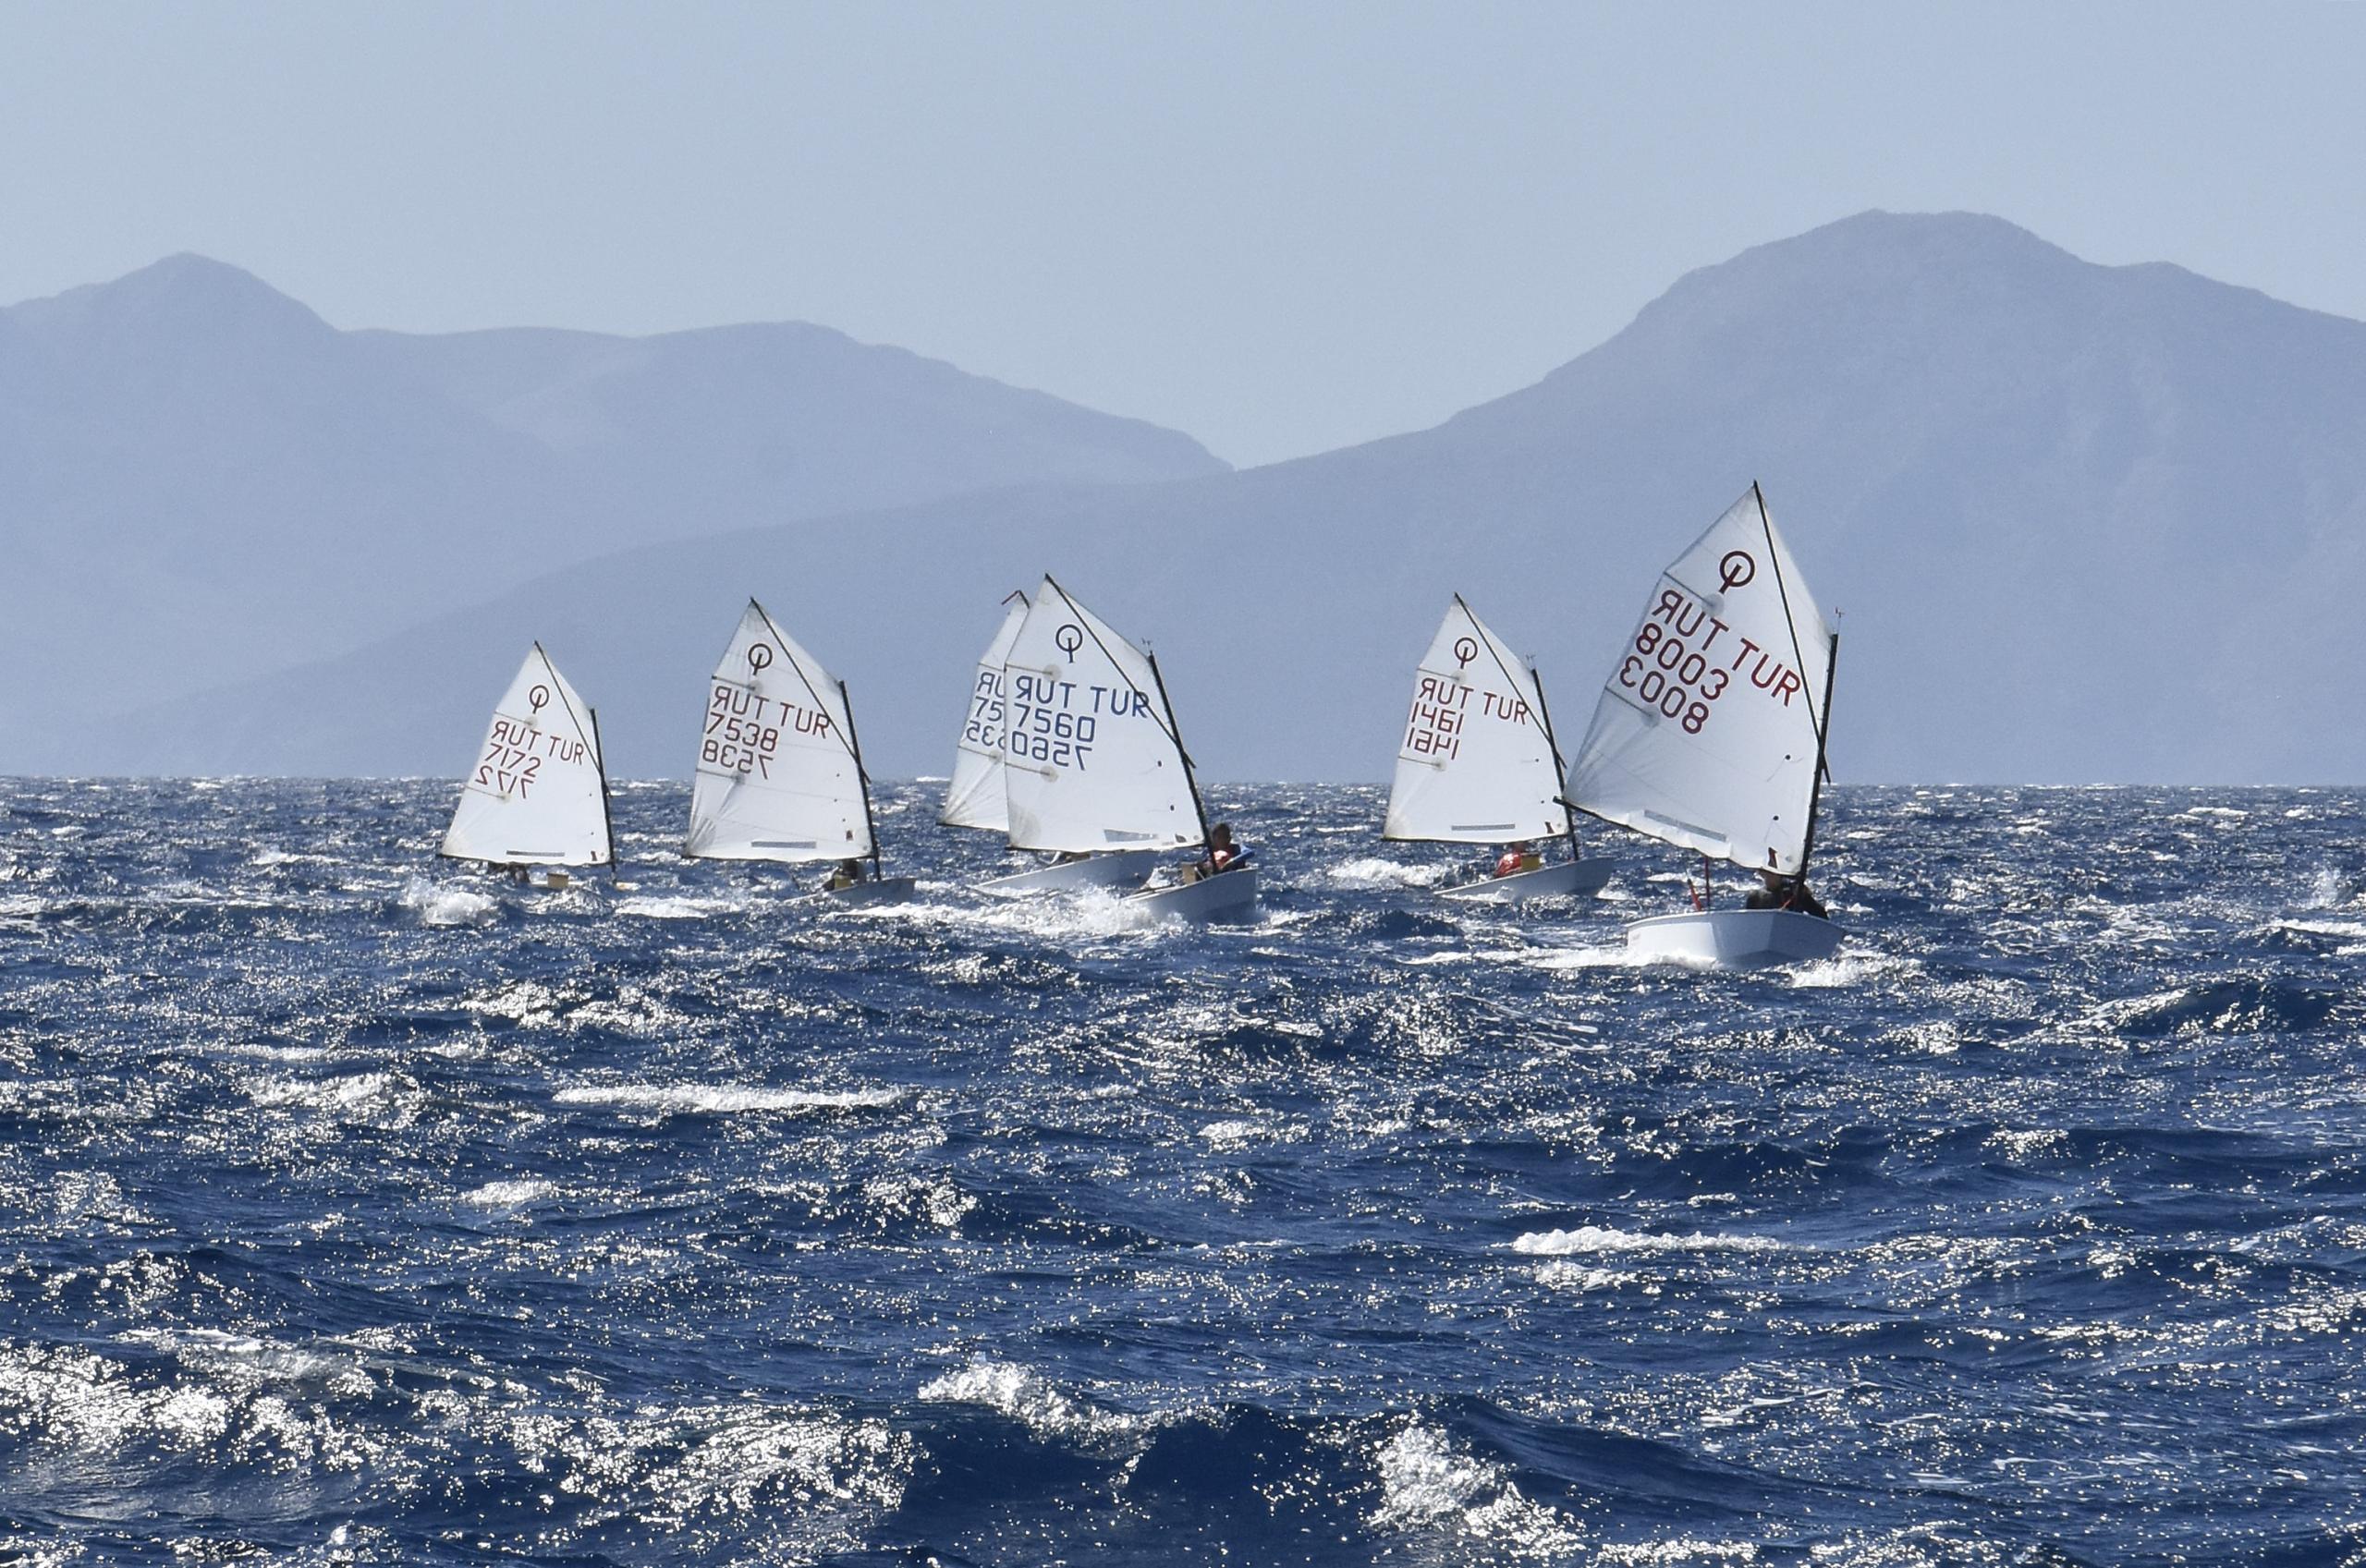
x: 1281, y: 227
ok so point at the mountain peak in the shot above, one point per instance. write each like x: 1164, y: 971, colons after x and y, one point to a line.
x: 185, y: 295
x: 1878, y: 244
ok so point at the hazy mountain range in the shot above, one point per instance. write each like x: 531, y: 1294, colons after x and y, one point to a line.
x: 2082, y: 523
x: 201, y: 482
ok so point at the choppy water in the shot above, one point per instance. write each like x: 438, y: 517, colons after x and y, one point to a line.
x: 354, y: 1208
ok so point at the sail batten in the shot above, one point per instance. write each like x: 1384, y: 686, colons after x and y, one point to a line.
x: 1091, y: 758
x: 1708, y: 732
x: 1476, y: 745
x: 537, y: 794
x: 777, y: 777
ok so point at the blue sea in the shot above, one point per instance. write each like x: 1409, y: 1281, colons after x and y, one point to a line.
x: 355, y: 1208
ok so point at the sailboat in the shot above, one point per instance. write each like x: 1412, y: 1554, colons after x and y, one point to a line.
x: 538, y: 795
x: 780, y: 774
x: 1479, y: 764
x: 1092, y: 760
x: 1710, y: 736
x: 974, y: 798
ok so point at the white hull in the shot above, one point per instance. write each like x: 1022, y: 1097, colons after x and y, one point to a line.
x: 885, y: 889
x: 1118, y: 869
x: 1575, y: 878
x: 1733, y: 939
x: 1229, y: 896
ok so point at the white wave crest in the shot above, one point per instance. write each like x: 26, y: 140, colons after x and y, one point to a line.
x: 1666, y: 1554
x: 656, y: 908
x: 934, y: 1200
x: 380, y: 1099
x: 1849, y: 969
x: 1603, y: 1238
x: 1562, y: 1274
x: 722, y: 1099
x: 1025, y: 1396
x: 1067, y: 916
x: 751, y: 1460
x: 88, y: 1405
x: 1373, y: 870
x: 816, y: 1478
x: 2351, y: 928
x: 510, y: 1194
x: 1425, y: 1483
x: 439, y: 904
x: 1234, y: 1133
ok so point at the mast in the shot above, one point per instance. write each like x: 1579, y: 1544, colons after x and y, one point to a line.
x: 1822, y: 720
x: 1783, y: 590
x: 608, y: 807
x: 1560, y: 768
x: 1822, y: 770
x: 870, y: 819
x: 1190, y: 775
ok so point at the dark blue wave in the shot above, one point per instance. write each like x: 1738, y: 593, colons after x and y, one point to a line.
x: 354, y: 1207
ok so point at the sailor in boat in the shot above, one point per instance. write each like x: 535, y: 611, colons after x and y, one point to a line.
x: 1776, y: 891
x: 1516, y: 858
x: 1223, y: 855
x: 848, y: 874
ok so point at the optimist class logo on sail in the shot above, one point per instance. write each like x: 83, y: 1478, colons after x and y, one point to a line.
x: 1684, y: 659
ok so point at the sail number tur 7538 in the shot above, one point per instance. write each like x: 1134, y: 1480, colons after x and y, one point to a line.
x: 744, y: 729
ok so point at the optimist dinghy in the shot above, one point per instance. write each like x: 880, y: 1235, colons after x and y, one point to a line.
x: 1479, y: 764
x: 974, y: 798
x: 1093, y: 761
x: 780, y: 774
x: 537, y: 798
x: 1710, y: 736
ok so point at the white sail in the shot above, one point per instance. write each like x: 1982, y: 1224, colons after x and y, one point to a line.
x: 777, y: 776
x: 973, y: 798
x: 1477, y: 763
x: 1707, y: 734
x: 1090, y: 756
x: 537, y: 794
